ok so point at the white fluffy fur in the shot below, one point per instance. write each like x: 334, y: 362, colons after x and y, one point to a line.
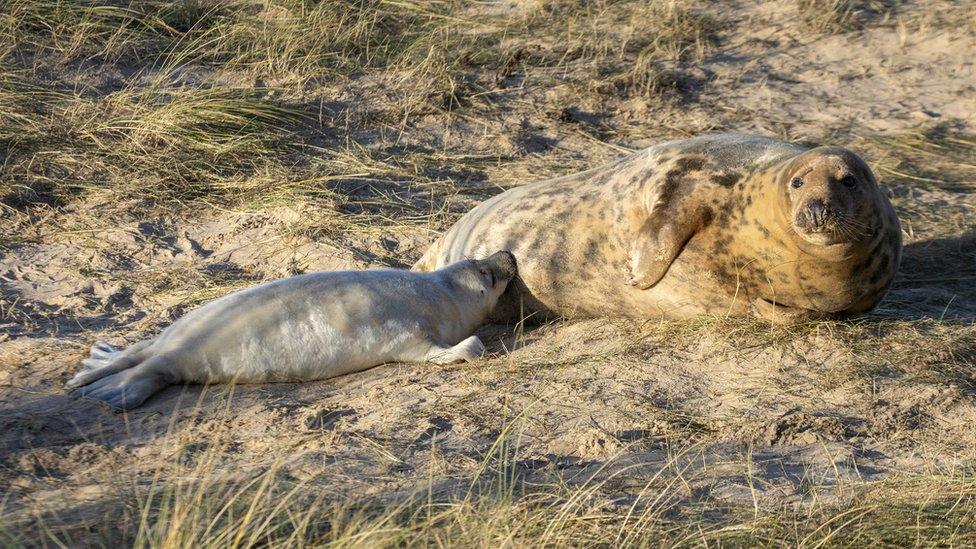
x: 306, y: 327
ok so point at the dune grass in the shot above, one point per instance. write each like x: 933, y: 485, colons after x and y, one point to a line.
x: 164, y: 106
x: 210, y: 94
x: 192, y: 500
x: 829, y: 15
x: 909, y: 511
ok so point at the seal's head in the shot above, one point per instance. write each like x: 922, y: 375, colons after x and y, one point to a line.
x: 832, y: 196
x: 501, y: 266
x: 489, y: 276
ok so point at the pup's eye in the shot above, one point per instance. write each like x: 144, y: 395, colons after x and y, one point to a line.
x: 797, y: 182
x: 848, y: 181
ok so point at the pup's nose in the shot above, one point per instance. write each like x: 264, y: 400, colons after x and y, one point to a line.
x: 817, y: 212
x: 505, y: 260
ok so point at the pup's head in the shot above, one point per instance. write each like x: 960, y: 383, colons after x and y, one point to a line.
x: 497, y: 270
x: 832, y: 196
x: 489, y: 276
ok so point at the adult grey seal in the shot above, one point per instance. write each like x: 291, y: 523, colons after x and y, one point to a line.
x: 307, y: 327
x: 724, y: 224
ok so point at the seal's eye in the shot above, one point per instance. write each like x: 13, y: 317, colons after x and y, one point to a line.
x: 489, y: 274
x: 797, y: 182
x: 848, y: 181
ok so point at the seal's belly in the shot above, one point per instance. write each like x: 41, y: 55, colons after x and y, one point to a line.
x: 572, y: 241
x: 754, y: 266
x: 572, y: 287
x: 581, y: 270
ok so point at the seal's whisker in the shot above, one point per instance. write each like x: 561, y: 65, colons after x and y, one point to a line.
x: 850, y: 229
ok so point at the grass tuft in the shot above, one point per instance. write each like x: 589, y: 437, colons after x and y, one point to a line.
x: 829, y: 16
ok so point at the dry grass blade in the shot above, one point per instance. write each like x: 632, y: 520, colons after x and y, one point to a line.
x: 157, y: 154
x: 72, y: 29
x: 829, y: 16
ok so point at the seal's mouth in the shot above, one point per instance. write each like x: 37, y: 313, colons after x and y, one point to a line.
x: 826, y: 227
x: 837, y: 232
x: 820, y: 235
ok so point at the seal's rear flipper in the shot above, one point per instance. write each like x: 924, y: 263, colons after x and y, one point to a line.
x: 469, y: 349
x: 105, y: 360
x: 101, y: 355
x: 103, y: 351
x: 128, y: 388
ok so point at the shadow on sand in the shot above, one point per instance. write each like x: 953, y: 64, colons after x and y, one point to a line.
x: 937, y: 280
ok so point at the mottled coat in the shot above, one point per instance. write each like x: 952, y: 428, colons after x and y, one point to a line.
x: 724, y: 224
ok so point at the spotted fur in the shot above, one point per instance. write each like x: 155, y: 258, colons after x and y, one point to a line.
x: 703, y: 225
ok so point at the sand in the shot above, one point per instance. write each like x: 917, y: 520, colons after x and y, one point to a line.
x: 740, y: 411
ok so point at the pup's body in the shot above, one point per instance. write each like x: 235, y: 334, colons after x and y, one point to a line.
x: 307, y: 327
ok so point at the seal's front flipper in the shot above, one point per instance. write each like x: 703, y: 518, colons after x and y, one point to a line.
x: 659, y: 241
x: 469, y: 349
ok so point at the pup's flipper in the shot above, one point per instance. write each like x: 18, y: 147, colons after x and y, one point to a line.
x: 106, y: 360
x: 130, y: 387
x: 469, y: 349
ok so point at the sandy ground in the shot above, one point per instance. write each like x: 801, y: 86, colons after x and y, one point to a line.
x: 741, y: 412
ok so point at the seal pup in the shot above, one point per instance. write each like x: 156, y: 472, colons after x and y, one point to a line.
x: 725, y: 224
x: 307, y: 327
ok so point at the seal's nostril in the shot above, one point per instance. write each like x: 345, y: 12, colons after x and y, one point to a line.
x: 816, y: 212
